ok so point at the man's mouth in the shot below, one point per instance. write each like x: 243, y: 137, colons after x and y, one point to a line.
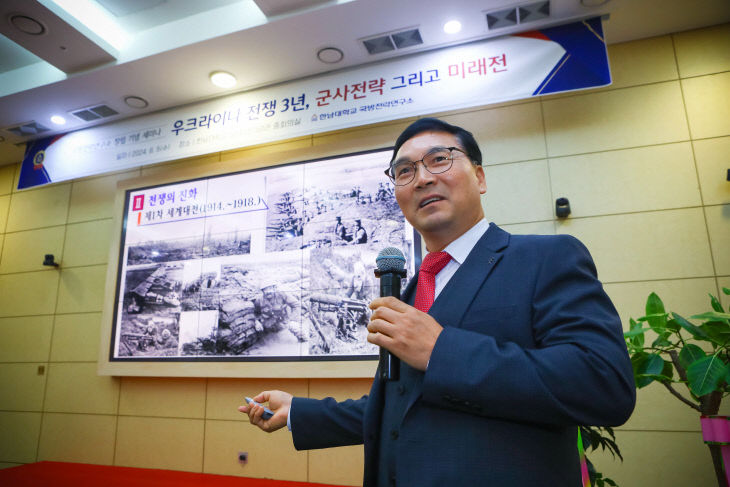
x: 429, y: 200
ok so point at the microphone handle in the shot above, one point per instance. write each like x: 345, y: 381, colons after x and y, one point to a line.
x: 389, y: 363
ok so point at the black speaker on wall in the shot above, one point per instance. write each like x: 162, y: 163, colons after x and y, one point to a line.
x: 562, y: 207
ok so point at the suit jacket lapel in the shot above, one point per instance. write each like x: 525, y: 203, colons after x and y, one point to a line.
x: 455, y: 299
x: 486, y: 248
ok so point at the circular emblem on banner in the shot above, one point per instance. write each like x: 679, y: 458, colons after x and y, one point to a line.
x: 38, y: 159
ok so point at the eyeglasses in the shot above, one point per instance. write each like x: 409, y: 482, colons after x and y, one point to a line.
x: 436, y: 161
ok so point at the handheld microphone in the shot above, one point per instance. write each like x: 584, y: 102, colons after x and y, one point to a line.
x: 391, y: 269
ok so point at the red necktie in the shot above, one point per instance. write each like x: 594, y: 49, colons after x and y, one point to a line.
x: 426, y: 289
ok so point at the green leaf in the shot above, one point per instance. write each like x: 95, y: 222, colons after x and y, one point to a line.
x: 654, y: 304
x: 636, y: 332
x: 712, y: 315
x: 726, y: 291
x: 661, y: 341
x: 672, y: 325
x: 668, y: 370
x: 705, y: 374
x: 652, y: 316
x: 655, y: 313
x: 716, y: 304
x: 635, y: 335
x: 718, y: 331
x: 689, y: 354
x: 636, y: 359
x: 633, y: 324
x: 692, y: 329
x: 647, y: 369
x: 595, y: 436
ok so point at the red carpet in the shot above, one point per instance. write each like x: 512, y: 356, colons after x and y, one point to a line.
x: 58, y: 474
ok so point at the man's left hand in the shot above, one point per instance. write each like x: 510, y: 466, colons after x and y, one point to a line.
x: 403, y: 330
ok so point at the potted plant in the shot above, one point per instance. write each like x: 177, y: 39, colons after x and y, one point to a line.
x: 697, y: 356
x: 592, y: 437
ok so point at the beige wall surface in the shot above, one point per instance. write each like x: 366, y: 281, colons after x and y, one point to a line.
x: 643, y: 163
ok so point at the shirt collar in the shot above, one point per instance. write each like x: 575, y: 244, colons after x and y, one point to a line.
x: 460, y: 248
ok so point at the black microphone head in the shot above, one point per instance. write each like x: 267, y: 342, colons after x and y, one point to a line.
x: 390, y: 259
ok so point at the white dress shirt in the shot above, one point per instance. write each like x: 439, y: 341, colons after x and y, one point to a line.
x: 459, y: 250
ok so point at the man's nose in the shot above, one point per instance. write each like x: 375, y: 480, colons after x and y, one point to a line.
x: 422, y: 176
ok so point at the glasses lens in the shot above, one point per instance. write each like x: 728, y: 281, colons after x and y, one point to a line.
x: 438, y: 161
x: 402, y: 173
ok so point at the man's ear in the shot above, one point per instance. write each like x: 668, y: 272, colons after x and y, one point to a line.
x: 479, y: 171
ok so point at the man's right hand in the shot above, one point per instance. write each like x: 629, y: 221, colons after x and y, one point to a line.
x: 279, y: 403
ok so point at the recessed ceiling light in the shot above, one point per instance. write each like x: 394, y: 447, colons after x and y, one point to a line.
x: 330, y: 55
x: 452, y: 27
x: 58, y: 120
x: 27, y: 25
x: 222, y: 79
x: 136, y: 102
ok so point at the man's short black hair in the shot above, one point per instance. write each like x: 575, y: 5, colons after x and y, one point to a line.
x: 466, y: 138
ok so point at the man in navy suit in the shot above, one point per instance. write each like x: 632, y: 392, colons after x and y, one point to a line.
x: 520, y: 346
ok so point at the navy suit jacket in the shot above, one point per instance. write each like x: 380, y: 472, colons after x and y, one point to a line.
x: 531, y: 348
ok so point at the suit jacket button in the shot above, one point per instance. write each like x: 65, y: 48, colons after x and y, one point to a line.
x: 394, y: 434
x: 401, y: 389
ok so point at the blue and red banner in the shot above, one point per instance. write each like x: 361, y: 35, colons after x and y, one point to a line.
x: 564, y: 58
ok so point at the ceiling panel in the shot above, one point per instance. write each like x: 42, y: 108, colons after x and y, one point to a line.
x: 14, y: 56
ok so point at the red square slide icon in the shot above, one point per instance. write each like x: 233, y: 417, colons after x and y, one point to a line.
x: 138, y: 202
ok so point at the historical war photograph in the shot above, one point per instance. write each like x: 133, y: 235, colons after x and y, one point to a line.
x: 200, y: 285
x: 259, y: 309
x: 149, y: 335
x: 197, y: 324
x: 150, y: 311
x: 284, y: 218
x: 341, y: 286
x: 211, y: 245
x: 350, y: 202
x: 343, y: 202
